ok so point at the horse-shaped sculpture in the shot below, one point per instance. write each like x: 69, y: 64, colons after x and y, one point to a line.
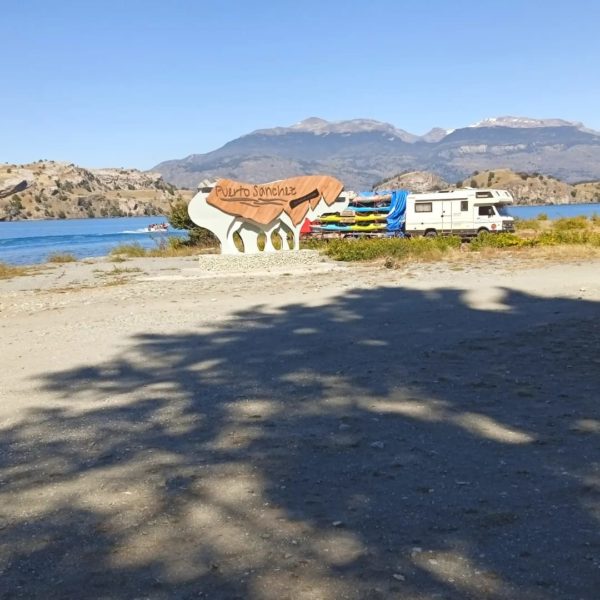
x: 275, y: 209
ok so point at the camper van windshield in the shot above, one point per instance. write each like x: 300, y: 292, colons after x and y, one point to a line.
x: 502, y: 210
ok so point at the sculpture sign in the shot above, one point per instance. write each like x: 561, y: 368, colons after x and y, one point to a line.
x: 277, y: 208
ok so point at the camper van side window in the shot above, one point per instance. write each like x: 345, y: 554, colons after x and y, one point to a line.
x: 423, y: 207
x: 464, y: 205
x: 483, y: 195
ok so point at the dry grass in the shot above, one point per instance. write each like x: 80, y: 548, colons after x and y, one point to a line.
x: 116, y: 281
x: 171, y: 248
x: 8, y: 271
x: 61, y: 257
x: 172, y: 252
x: 128, y: 250
x: 117, y: 275
x: 116, y: 271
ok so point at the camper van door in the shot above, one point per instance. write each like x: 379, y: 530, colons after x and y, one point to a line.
x: 484, y: 215
x: 447, y: 216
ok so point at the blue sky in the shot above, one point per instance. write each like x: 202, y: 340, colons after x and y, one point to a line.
x: 132, y: 83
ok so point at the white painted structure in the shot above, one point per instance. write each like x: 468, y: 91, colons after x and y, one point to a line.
x: 225, y: 226
x: 460, y: 212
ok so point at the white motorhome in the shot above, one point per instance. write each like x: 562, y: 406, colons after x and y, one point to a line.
x: 464, y: 212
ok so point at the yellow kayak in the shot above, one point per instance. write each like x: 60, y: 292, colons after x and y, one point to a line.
x: 356, y: 218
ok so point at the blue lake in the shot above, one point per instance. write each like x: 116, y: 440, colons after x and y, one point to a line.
x: 554, y: 211
x: 30, y: 242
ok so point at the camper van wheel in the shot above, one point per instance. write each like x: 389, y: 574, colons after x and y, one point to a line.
x: 431, y: 233
x: 482, y: 231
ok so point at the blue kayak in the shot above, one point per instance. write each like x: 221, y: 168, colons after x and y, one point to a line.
x: 370, y: 209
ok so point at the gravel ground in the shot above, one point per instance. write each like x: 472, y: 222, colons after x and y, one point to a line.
x: 279, y: 427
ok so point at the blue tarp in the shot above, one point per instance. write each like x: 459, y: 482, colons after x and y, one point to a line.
x: 397, y: 214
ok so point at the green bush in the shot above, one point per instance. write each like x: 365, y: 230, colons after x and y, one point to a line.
x: 180, y: 219
x: 498, y: 240
x: 521, y: 224
x: 570, y: 236
x: 397, y: 248
x: 571, y: 223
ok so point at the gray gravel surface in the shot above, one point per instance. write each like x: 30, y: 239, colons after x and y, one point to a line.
x: 352, y: 433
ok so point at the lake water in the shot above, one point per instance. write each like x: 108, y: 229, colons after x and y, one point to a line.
x: 554, y: 211
x: 30, y: 242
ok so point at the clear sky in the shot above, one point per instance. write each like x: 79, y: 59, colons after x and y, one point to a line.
x: 135, y: 82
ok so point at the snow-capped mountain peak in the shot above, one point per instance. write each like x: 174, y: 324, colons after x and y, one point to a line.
x: 524, y: 122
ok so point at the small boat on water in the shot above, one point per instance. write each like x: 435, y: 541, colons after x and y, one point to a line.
x: 158, y: 227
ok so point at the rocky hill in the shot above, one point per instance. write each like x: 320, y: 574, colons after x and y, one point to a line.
x: 48, y: 189
x: 414, y: 181
x: 362, y: 151
x: 526, y: 188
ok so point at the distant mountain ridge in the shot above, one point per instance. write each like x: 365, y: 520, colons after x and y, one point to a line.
x: 363, y: 151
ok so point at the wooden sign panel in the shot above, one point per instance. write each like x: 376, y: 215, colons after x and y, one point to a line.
x: 265, y: 202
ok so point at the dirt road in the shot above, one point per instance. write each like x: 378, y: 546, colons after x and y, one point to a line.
x: 170, y: 429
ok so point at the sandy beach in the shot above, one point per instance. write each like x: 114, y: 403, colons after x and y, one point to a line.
x: 293, y: 428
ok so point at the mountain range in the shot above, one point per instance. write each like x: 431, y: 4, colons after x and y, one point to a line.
x: 361, y: 152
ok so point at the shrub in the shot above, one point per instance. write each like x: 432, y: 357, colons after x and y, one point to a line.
x: 180, y: 219
x: 571, y: 223
x: 396, y: 248
x: 542, y: 217
x: 569, y: 236
x: 498, y: 240
x: 521, y: 224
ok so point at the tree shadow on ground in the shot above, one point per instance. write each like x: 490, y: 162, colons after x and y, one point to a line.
x: 393, y: 443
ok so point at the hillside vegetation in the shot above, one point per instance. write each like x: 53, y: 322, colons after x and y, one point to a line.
x: 526, y: 188
x: 56, y: 190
